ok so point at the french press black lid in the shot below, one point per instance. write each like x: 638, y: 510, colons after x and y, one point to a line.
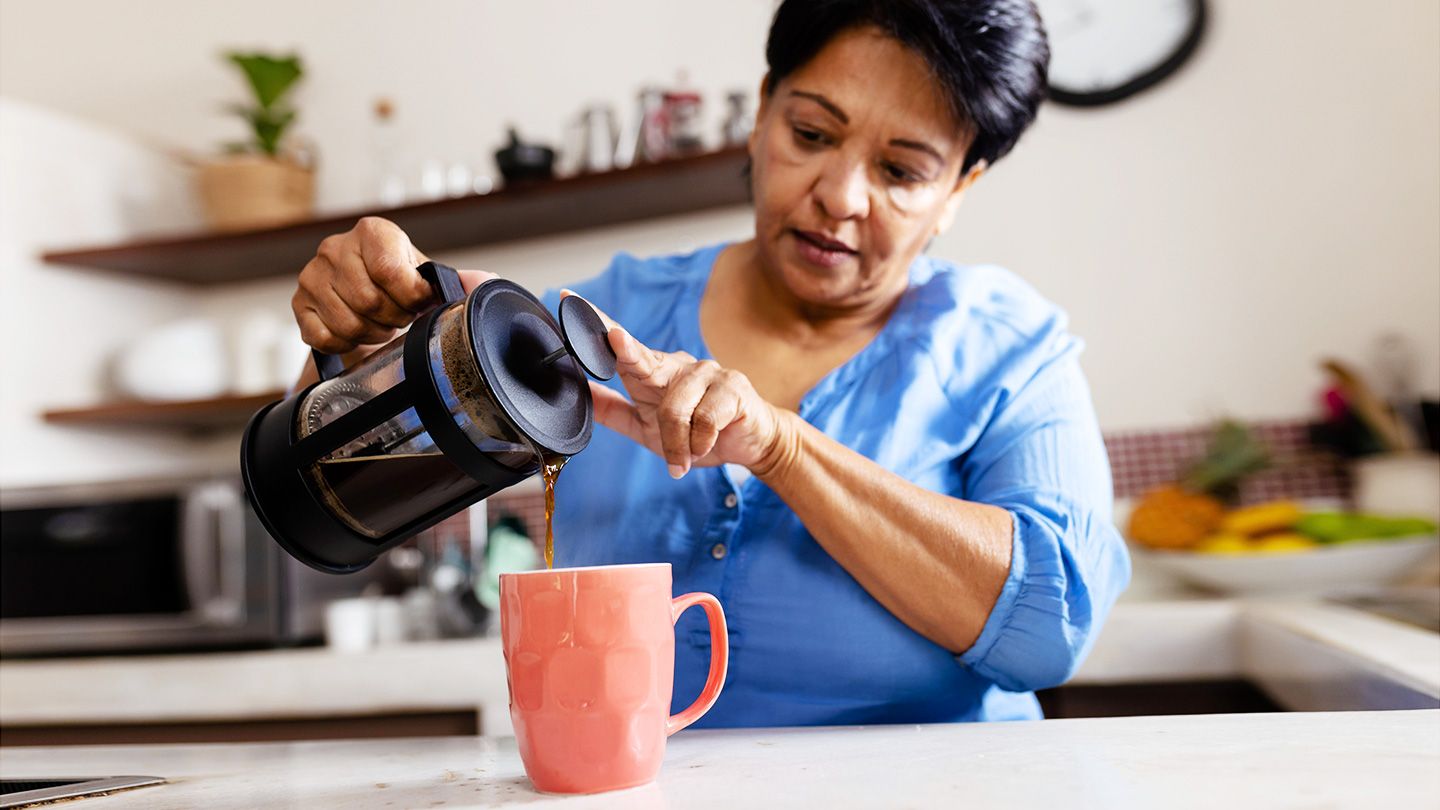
x: 463, y: 405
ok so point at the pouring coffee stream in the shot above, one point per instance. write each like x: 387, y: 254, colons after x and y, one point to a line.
x: 550, y: 471
x: 482, y: 392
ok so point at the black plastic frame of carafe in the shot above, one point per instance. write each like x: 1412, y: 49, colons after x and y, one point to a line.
x: 285, y: 503
x: 296, y: 505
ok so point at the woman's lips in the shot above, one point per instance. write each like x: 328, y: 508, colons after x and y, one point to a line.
x: 819, y: 250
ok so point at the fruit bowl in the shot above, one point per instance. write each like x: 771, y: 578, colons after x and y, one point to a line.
x: 1341, y: 566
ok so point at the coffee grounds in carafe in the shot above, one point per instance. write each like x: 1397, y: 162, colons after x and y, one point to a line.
x: 457, y: 354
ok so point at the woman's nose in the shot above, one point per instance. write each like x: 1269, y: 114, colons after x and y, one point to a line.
x: 843, y: 190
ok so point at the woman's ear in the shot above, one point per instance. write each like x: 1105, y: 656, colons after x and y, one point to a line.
x: 952, y: 202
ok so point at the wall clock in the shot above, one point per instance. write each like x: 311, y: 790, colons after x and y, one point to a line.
x: 1102, y: 51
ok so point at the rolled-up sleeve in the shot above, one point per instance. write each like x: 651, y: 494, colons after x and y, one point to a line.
x: 1041, y: 457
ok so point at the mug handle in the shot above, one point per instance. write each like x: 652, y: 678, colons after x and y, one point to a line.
x: 719, y: 657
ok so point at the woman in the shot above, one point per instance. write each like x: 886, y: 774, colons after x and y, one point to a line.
x: 886, y: 466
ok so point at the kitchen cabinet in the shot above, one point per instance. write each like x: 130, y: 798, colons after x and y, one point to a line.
x: 391, y: 724
x: 1228, y: 696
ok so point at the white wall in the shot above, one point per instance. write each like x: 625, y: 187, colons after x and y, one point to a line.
x: 1277, y: 201
x: 457, y: 70
x: 61, y: 326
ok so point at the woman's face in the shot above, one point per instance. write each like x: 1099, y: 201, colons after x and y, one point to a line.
x: 856, y: 166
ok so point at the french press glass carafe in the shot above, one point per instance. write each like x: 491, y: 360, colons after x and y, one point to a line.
x: 466, y: 403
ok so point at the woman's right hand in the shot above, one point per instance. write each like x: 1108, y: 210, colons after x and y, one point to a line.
x: 362, y: 287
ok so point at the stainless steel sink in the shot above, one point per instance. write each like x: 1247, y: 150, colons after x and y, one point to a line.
x: 1415, y: 606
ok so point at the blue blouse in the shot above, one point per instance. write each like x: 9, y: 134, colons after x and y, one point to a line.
x: 973, y: 388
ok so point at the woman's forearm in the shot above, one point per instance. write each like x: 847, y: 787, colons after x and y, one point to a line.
x: 938, y: 563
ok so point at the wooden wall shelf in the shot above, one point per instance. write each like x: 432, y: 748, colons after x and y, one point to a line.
x: 199, y: 414
x: 518, y: 212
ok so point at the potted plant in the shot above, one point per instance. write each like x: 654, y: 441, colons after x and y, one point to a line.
x: 263, y: 181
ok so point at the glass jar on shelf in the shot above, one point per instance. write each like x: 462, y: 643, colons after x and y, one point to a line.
x: 682, y: 119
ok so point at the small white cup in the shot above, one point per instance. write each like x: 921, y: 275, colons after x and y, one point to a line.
x: 390, y: 621
x: 350, y: 624
x: 1399, y: 484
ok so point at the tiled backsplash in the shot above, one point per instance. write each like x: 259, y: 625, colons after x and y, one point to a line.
x: 1142, y: 460
x: 527, y: 504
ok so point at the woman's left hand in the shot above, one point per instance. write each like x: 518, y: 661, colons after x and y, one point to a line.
x: 692, y: 413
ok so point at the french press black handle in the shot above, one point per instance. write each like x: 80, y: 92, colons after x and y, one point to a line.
x: 442, y: 279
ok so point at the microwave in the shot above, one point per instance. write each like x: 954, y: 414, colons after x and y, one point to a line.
x: 157, y: 565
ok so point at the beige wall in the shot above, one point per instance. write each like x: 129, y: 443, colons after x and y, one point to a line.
x: 1277, y: 201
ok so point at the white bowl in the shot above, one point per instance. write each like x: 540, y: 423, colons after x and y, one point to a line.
x: 1345, y: 566
x: 182, y: 360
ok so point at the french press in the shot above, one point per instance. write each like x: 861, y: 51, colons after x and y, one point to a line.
x: 466, y: 403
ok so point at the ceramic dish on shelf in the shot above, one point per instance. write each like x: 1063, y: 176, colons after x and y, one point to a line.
x: 181, y: 360
x: 1337, y: 567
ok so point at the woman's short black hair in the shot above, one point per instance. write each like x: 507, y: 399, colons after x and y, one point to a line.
x: 989, y: 56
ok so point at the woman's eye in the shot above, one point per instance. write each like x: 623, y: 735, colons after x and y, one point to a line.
x: 809, y: 135
x: 900, y: 174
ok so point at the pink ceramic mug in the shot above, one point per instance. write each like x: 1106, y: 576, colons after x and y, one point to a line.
x: 590, y: 658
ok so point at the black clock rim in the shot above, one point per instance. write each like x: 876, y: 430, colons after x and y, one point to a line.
x: 1146, y: 80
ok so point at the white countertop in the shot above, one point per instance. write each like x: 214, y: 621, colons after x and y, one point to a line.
x: 261, y: 684
x: 1309, y: 655
x: 1350, y: 759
